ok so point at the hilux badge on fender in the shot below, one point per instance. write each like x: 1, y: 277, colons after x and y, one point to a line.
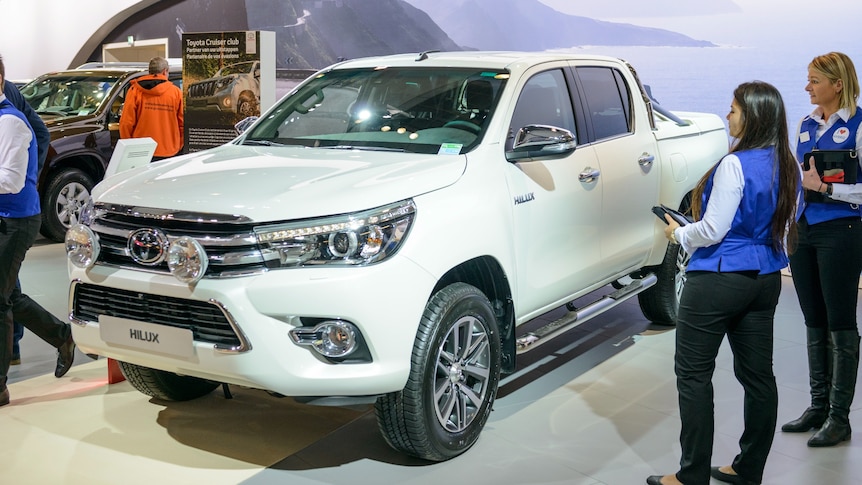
x: 148, y: 246
x: 520, y: 199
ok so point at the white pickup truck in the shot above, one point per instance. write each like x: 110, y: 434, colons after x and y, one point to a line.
x: 383, y: 232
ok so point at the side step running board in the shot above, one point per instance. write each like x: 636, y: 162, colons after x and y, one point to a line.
x: 574, y: 318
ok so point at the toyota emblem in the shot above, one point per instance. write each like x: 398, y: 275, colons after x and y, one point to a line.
x: 148, y: 246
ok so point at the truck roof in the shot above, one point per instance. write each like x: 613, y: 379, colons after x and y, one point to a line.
x: 487, y: 59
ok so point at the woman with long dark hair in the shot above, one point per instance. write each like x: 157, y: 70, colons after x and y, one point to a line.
x: 745, y: 211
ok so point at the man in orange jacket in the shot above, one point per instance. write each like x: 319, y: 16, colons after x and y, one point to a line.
x: 154, y: 108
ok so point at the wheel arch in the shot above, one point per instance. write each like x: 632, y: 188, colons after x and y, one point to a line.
x: 486, y: 274
x: 88, y: 163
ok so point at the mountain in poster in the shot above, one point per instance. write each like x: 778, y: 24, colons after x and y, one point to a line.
x: 533, y: 26
x: 312, y: 34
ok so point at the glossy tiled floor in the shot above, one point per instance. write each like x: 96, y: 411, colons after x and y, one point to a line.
x: 599, y: 407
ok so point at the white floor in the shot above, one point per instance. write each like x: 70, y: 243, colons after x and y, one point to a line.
x: 597, y: 408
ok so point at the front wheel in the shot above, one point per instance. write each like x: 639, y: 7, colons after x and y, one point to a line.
x: 246, y: 105
x: 660, y: 304
x: 66, y: 194
x: 453, y: 378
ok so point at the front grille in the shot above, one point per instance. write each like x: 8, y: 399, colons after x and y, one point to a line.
x: 229, y: 241
x: 202, y: 89
x: 206, y: 320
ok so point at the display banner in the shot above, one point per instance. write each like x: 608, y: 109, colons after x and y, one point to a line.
x: 227, y: 77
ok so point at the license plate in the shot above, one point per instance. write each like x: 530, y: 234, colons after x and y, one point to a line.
x: 162, y: 339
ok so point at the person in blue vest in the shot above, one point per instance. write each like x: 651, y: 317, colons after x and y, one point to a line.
x: 826, y: 266
x: 43, y: 140
x: 20, y: 219
x: 745, y: 210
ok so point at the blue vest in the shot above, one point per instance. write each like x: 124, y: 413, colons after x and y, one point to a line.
x: 816, y: 212
x: 26, y: 202
x: 748, y: 244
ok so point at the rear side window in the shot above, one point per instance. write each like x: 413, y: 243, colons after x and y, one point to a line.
x: 608, y: 101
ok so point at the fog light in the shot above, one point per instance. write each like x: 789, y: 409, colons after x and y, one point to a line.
x: 187, y: 260
x: 332, y: 338
x: 82, y: 246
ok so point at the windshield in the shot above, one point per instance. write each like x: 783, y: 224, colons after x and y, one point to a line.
x: 68, y: 95
x: 422, y: 110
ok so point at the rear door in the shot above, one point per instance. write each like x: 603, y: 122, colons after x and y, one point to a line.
x: 622, y: 138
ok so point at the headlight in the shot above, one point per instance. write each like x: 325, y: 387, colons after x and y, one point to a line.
x: 82, y: 246
x: 187, y: 260
x: 353, y: 239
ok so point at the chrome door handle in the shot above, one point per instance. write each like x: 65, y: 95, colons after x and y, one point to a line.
x: 588, y: 175
x: 646, y: 159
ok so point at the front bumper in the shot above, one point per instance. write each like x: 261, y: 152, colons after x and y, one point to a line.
x: 385, y: 301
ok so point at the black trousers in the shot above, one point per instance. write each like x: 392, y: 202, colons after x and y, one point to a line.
x: 741, y: 306
x: 16, y: 238
x: 825, y: 268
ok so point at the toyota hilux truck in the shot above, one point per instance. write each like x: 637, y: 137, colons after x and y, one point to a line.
x: 382, y: 233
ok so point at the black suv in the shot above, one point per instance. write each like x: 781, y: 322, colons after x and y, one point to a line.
x: 81, y: 108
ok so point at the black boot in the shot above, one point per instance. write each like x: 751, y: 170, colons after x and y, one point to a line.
x: 819, y: 358
x: 4, y: 391
x: 845, y: 363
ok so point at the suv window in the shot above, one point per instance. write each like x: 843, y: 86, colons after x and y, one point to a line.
x: 68, y: 95
x: 608, y: 101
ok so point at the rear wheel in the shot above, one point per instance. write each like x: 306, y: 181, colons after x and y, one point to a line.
x: 164, y: 385
x: 660, y: 303
x: 66, y: 194
x: 453, y: 378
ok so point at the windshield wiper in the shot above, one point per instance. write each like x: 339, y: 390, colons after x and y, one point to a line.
x: 266, y: 143
x: 364, y: 148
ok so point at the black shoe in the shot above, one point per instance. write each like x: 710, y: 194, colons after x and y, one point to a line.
x: 728, y: 478
x: 4, y: 396
x: 654, y: 480
x: 65, y: 357
x: 16, y: 360
x: 831, y: 434
x: 812, y: 418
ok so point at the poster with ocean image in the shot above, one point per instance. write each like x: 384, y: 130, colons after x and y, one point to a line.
x: 691, y: 54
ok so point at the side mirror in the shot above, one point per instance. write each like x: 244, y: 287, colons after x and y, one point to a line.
x: 534, y: 141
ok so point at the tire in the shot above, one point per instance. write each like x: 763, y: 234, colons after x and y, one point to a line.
x: 660, y: 303
x: 451, y: 388
x: 67, y: 192
x: 246, y: 105
x: 164, y: 385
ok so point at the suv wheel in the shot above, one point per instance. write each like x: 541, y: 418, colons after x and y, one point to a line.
x: 66, y: 194
x: 660, y: 304
x: 246, y: 105
x: 164, y: 385
x: 453, y: 378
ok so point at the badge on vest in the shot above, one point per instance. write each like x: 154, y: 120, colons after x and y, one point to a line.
x: 841, y: 135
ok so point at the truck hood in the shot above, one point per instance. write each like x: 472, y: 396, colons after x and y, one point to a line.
x: 280, y: 183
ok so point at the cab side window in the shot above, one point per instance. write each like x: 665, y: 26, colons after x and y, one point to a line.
x: 544, y: 100
x: 608, y: 101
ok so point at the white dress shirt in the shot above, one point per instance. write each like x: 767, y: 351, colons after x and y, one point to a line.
x: 727, y: 185
x: 15, y: 138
